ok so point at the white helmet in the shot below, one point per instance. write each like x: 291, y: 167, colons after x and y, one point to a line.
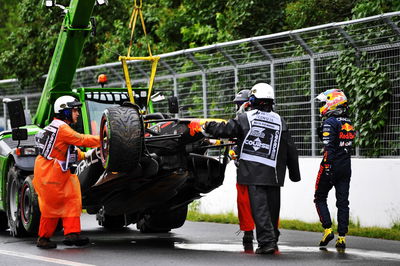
x: 262, y: 91
x: 65, y: 102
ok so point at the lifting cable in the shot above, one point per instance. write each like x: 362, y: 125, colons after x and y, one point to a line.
x: 137, y: 10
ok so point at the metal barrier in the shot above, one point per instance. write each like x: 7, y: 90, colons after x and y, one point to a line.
x: 205, y: 79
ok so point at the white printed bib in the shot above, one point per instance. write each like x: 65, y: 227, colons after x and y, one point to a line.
x: 261, y: 143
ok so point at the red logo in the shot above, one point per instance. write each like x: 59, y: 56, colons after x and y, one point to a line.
x: 347, y: 135
x: 347, y: 127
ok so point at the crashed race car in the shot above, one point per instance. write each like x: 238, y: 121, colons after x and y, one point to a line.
x: 147, y: 170
x: 149, y: 167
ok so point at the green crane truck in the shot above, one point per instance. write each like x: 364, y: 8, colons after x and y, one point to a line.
x: 148, y: 168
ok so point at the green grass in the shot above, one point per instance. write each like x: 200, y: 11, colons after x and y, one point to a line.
x: 354, y: 228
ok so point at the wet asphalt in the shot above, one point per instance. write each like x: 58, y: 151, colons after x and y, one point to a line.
x: 193, y: 244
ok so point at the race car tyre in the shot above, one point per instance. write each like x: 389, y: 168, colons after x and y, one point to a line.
x: 30, y: 213
x: 122, y: 136
x: 110, y: 222
x: 163, y: 222
x: 13, y: 198
x: 3, y: 221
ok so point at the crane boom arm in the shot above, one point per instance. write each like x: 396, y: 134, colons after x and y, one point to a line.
x: 74, y: 31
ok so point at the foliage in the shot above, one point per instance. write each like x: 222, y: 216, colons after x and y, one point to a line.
x: 7, y: 16
x: 396, y: 226
x: 28, y: 31
x: 226, y: 218
x: 305, y: 13
x: 369, y: 92
x: 29, y: 56
x: 366, y: 8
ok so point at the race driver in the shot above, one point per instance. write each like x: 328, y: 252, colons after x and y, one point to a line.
x: 337, y: 135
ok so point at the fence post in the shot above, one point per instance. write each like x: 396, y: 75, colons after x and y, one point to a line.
x: 272, y: 75
x: 204, y: 83
x: 5, y: 115
x: 26, y: 102
x: 312, y: 87
x: 236, y: 74
x: 176, y: 91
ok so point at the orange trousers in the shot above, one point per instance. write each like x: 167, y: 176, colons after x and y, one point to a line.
x: 49, y: 225
x: 246, y: 221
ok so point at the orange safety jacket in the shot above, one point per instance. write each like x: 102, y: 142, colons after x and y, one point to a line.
x: 58, y: 190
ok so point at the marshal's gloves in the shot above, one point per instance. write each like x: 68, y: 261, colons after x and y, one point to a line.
x: 233, y: 155
x: 197, y: 126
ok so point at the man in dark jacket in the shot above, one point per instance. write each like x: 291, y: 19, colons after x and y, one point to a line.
x: 266, y: 149
x: 337, y: 135
x: 246, y: 221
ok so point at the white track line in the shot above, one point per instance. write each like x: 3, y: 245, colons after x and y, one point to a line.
x: 286, y: 249
x: 41, y: 258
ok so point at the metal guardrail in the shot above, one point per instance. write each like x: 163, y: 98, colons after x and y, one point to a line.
x: 205, y: 79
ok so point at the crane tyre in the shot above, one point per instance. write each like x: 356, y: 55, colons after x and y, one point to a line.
x: 163, y: 222
x: 14, y: 185
x: 3, y: 221
x: 29, y: 206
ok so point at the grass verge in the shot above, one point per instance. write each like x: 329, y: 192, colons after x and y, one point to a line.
x: 354, y: 228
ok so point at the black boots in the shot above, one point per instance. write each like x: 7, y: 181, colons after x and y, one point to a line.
x: 75, y: 239
x: 69, y: 240
x: 248, y: 237
x: 45, y: 243
x: 267, y: 249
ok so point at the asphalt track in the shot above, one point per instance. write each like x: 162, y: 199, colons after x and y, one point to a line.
x: 193, y: 244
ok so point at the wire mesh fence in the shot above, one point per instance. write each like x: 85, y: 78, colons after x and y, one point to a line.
x: 296, y: 63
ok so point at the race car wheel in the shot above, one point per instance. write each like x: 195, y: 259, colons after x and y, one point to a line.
x: 110, y: 222
x: 122, y: 136
x: 163, y: 222
x: 13, y: 198
x: 30, y: 213
x: 3, y: 221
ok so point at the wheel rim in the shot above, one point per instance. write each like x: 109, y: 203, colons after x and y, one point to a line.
x: 104, y: 143
x: 13, y: 200
x: 26, y: 203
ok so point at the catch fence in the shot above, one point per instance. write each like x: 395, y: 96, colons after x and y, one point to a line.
x: 298, y: 64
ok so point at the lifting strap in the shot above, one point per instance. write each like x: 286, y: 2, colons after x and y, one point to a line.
x: 137, y: 10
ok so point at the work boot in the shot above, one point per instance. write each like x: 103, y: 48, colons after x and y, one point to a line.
x: 328, y: 236
x: 75, y: 239
x: 341, y: 242
x: 45, y: 243
x: 266, y: 249
x: 248, y: 237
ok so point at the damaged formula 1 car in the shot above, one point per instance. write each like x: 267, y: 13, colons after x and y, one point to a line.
x: 147, y: 170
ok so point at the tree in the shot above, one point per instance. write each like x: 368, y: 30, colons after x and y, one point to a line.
x: 28, y: 31
x: 7, y: 25
x: 306, y: 13
x: 29, y: 55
